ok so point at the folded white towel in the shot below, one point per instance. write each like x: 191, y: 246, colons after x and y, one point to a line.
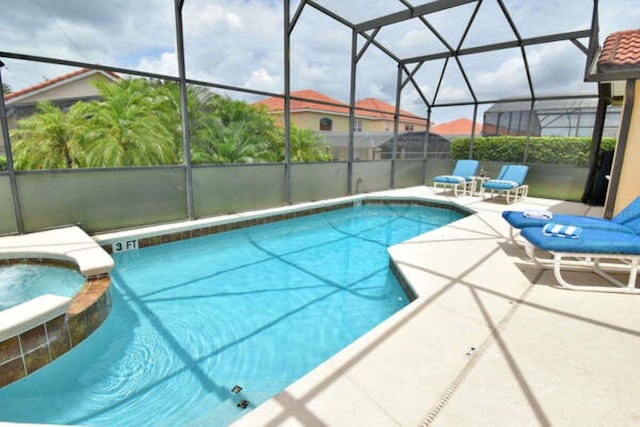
x: 538, y: 214
x: 562, y: 230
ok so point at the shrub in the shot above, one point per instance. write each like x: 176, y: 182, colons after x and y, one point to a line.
x: 572, y: 151
x: 3, y: 163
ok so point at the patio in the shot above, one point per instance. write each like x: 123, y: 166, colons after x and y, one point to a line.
x: 490, y: 339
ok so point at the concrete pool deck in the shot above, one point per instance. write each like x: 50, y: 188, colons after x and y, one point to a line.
x: 490, y: 340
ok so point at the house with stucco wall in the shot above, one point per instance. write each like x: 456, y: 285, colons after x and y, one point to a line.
x: 63, y: 91
x: 374, y: 121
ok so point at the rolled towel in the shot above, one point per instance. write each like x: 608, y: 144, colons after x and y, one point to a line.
x: 538, y: 214
x: 562, y: 230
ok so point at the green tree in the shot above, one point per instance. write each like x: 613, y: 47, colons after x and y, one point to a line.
x: 138, y: 122
x: 226, y: 144
x: 231, y: 131
x: 129, y: 127
x: 305, y: 146
x: 6, y: 89
x: 200, y: 113
x: 51, y: 139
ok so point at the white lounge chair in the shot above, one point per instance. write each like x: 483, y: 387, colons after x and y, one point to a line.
x: 598, y: 250
x: 509, y: 183
x: 459, y: 178
x: 627, y: 220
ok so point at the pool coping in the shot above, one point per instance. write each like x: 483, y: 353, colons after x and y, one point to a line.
x: 69, y: 244
x: 171, y: 232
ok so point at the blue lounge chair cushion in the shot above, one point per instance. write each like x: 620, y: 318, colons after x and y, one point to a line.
x: 500, y: 184
x: 509, y: 178
x: 451, y: 179
x: 591, y: 241
x: 517, y: 219
x: 462, y: 172
x: 630, y: 216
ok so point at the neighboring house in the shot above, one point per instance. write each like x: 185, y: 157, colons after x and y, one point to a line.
x: 372, y: 128
x: 458, y: 128
x: 63, y: 91
x: 381, y: 120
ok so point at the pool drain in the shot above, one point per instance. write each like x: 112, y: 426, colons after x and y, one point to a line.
x: 244, y: 402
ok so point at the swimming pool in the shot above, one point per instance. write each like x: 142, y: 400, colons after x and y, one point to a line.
x: 22, y: 282
x: 255, y: 308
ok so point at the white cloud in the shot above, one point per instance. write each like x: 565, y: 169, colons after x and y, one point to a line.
x: 166, y: 64
x: 240, y: 43
x: 509, y: 77
x: 261, y: 80
x: 211, y: 19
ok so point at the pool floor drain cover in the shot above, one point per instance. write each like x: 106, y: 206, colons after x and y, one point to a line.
x: 243, y: 404
x: 236, y: 389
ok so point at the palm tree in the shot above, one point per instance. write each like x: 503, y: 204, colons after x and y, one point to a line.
x: 305, y: 146
x: 225, y: 144
x: 130, y: 126
x: 200, y: 113
x: 230, y: 131
x: 51, y: 139
x: 138, y: 123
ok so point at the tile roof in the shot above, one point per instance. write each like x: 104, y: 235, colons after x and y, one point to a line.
x: 461, y: 126
x: 51, y: 82
x: 385, y: 111
x: 621, y: 50
x: 277, y: 104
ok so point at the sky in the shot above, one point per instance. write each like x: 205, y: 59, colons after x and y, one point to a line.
x: 240, y: 43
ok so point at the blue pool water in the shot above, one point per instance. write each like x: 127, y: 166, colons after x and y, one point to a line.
x: 22, y: 282
x: 257, y: 307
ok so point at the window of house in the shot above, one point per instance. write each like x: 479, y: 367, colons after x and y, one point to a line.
x: 326, y: 123
x: 408, y: 128
x: 359, y: 126
x: 387, y: 126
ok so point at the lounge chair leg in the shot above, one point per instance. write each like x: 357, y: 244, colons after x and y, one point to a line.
x: 531, y: 252
x: 631, y: 285
x: 512, y: 236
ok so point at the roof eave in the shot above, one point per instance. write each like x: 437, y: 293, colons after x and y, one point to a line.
x: 71, y: 79
x: 614, y: 75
